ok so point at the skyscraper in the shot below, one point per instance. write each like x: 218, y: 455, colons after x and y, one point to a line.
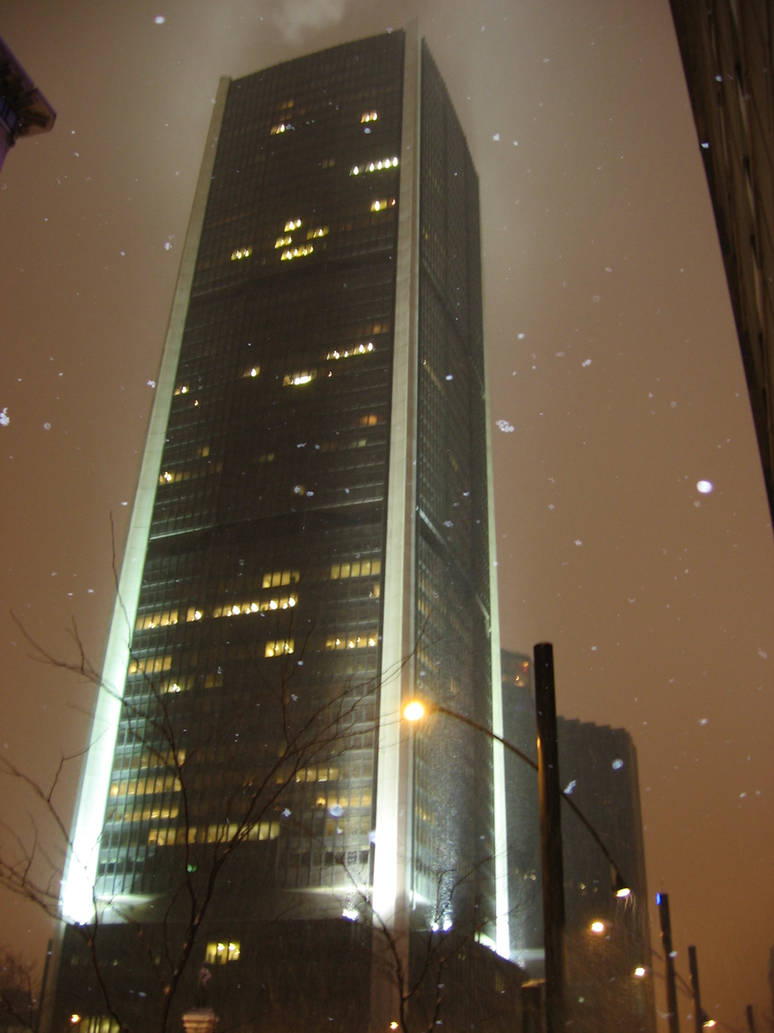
x: 310, y: 543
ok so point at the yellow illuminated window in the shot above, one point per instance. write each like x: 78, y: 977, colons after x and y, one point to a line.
x: 364, y: 348
x: 320, y: 231
x: 159, y: 619
x: 369, y: 420
x: 352, y: 642
x: 328, y: 163
x: 299, y: 378
x: 279, y: 646
x: 282, y: 602
x: 279, y: 577
x: 369, y: 116
x: 359, y: 568
x: 181, y: 389
x: 280, y: 127
x: 296, y: 252
x: 150, y: 665
x: 241, y: 252
x: 382, y: 204
x: 252, y: 371
x: 374, y: 166
x: 220, y: 952
x: 282, y: 242
x: 292, y: 224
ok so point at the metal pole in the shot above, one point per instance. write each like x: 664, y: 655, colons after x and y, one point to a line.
x: 698, y: 1014
x: 662, y: 900
x: 750, y: 1018
x: 550, y: 835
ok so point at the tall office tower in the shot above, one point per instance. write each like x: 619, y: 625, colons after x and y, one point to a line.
x: 608, y: 966
x: 310, y: 545
x: 728, y: 50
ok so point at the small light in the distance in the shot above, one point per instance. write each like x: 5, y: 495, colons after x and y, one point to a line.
x: 705, y: 487
x: 159, y: 19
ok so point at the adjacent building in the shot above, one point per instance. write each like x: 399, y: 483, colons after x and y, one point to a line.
x: 607, y: 940
x: 24, y: 110
x: 727, y: 49
x: 310, y: 545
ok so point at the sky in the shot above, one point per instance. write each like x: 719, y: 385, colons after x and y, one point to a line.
x: 616, y: 386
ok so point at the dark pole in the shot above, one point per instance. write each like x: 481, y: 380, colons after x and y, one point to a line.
x: 662, y: 899
x: 550, y: 835
x: 750, y: 1018
x: 698, y: 1014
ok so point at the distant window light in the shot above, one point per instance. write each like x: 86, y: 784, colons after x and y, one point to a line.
x: 282, y: 242
x: 241, y: 252
x: 150, y: 665
x: 299, y: 378
x: 356, y: 568
x: 327, y: 163
x: 383, y: 204
x: 296, y: 252
x: 277, y: 578
x: 369, y: 420
x: 320, y: 231
x: 369, y: 116
x: 364, y: 348
x: 292, y: 224
x: 280, y: 128
x: 194, y: 614
x: 181, y: 389
x: 158, y: 619
x: 286, y: 104
x: 220, y: 952
x: 352, y: 642
x: 252, y: 371
x: 283, y: 602
x: 279, y: 647
x: 375, y: 166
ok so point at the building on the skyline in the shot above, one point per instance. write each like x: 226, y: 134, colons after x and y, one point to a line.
x: 728, y: 53
x: 310, y: 543
x: 609, y: 971
x: 23, y: 108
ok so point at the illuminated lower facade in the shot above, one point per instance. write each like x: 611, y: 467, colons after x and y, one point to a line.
x: 310, y: 546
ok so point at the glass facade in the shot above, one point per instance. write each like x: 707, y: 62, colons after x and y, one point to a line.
x: 247, y: 747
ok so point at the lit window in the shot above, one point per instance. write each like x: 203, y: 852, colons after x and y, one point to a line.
x: 364, y: 348
x: 282, y: 242
x: 359, y: 568
x: 375, y: 166
x: 292, y: 224
x: 369, y: 420
x: 298, y: 379
x: 328, y: 163
x: 159, y: 619
x: 241, y: 252
x: 181, y: 389
x: 281, y: 127
x: 279, y: 647
x: 382, y: 204
x: 221, y: 952
x: 320, y: 231
x: 150, y: 665
x: 279, y: 577
x: 296, y: 252
x: 252, y: 371
x: 369, y: 116
x: 193, y: 614
x: 353, y: 642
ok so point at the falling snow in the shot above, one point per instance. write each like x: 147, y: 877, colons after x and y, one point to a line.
x: 705, y: 487
x: 617, y: 764
x: 505, y: 426
x: 5, y: 419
